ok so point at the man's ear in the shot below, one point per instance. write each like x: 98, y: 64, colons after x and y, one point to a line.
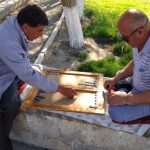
x: 141, y: 31
x: 25, y: 27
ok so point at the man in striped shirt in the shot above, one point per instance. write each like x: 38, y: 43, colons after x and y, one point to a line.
x: 134, y: 28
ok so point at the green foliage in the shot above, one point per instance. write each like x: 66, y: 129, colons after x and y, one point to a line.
x: 123, y: 61
x: 108, y: 66
x: 103, y: 16
x: 81, y: 56
x: 121, y: 48
x: 105, y: 13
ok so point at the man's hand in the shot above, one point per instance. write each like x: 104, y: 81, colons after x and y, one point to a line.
x: 66, y: 91
x: 109, y: 84
x: 117, y: 98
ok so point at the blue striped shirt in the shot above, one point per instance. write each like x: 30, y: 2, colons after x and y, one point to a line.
x: 141, y: 72
x: 14, y: 60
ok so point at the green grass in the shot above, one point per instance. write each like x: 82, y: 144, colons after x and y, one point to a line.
x: 103, y: 15
x: 121, y: 48
x: 102, y: 23
x: 81, y: 56
x: 108, y: 66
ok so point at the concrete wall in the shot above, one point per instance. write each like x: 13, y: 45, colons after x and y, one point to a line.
x: 54, y: 131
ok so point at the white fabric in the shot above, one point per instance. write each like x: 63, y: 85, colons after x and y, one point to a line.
x: 141, y: 76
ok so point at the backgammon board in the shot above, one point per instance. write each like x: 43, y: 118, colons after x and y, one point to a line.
x: 89, y: 87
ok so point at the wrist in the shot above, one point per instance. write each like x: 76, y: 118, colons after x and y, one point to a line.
x: 129, y: 99
x: 59, y: 88
x: 118, y: 76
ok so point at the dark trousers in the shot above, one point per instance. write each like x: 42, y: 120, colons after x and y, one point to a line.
x: 9, y: 108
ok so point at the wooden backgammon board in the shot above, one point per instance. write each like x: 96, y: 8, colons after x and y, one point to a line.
x: 89, y: 87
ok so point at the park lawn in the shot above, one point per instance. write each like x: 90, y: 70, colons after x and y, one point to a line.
x: 101, y: 19
x: 103, y: 15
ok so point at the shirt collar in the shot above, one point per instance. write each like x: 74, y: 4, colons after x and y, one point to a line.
x: 26, y: 40
x: 146, y: 48
x: 21, y: 32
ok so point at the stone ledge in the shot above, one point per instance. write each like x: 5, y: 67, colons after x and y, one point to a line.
x: 48, y: 130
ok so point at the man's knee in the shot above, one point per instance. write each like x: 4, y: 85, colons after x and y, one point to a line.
x: 14, y: 106
x: 11, y: 107
x: 115, y: 114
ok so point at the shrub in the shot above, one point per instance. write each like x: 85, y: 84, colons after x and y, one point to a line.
x: 81, y: 56
x: 121, y: 48
x: 108, y: 66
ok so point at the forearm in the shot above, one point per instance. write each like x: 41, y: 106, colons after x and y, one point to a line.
x: 139, y: 98
x: 126, y: 72
x: 60, y: 89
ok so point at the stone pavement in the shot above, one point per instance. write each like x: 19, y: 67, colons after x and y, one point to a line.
x: 21, y: 146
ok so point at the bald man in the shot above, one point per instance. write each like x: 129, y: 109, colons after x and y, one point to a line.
x: 134, y: 28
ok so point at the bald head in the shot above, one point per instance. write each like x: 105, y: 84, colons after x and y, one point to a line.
x: 132, y: 19
x: 134, y: 28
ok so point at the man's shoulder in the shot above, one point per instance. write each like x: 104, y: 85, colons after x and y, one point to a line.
x: 8, y: 24
x: 8, y: 29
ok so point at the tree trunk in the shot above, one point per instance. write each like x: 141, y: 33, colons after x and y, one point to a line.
x: 73, y: 23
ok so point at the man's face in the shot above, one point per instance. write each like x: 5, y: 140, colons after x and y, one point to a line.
x: 32, y: 33
x: 136, y: 37
x: 132, y: 37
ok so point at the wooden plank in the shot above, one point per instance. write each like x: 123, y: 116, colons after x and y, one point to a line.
x: 72, y: 72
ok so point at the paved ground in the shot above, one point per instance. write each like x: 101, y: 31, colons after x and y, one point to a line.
x: 21, y: 146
